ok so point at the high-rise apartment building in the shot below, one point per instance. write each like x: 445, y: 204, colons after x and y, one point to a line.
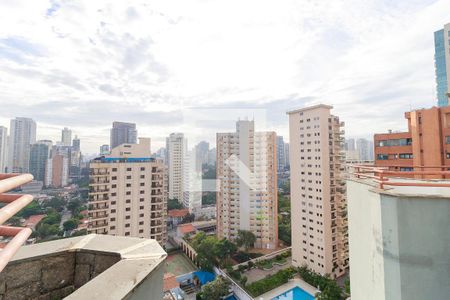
x: 247, y: 174
x: 201, y: 155
x: 57, y: 171
x: 126, y: 193
x: 3, y: 149
x: 76, y: 144
x: 123, y: 133
x: 318, y: 203
x: 281, y: 158
x: 104, y: 149
x: 286, y: 155
x: 176, y: 146
x: 365, y: 149
x: 66, y: 137
x: 442, y: 64
x: 39, y: 154
x: 427, y: 142
x: 22, y: 135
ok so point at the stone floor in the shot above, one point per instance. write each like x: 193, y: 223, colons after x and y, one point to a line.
x: 256, y: 274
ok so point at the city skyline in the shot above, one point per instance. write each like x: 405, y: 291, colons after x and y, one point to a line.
x: 64, y: 87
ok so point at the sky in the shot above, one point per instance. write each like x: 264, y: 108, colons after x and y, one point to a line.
x: 169, y: 66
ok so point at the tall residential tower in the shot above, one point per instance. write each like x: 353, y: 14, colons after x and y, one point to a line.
x: 176, y: 146
x: 123, y: 133
x: 442, y: 64
x: 318, y: 203
x: 3, y: 148
x: 22, y: 135
x: 126, y: 193
x: 247, y: 174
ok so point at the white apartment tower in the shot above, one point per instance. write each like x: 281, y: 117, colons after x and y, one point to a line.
x: 22, y: 135
x: 176, y: 146
x: 66, y: 137
x: 126, y: 193
x: 3, y: 148
x: 247, y: 193
x: 318, y: 203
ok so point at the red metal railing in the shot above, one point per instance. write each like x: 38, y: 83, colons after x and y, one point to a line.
x: 14, y: 204
x: 383, y: 176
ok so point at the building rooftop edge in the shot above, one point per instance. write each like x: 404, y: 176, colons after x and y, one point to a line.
x: 309, y: 108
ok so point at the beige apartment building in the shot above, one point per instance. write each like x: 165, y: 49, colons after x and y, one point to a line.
x: 318, y: 201
x: 247, y: 192
x: 126, y: 193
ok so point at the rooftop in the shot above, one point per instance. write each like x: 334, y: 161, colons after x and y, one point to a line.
x: 85, y: 267
x: 426, y: 182
x: 176, y: 213
x: 309, y: 108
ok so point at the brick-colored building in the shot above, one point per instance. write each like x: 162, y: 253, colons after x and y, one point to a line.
x: 427, y: 142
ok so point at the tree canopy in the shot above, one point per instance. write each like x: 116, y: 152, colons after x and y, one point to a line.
x: 245, y: 239
x: 216, y: 289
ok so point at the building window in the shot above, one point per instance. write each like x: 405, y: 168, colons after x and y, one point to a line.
x: 128, y: 177
x: 447, y: 138
x: 128, y: 193
x: 127, y: 233
x: 128, y: 201
x: 112, y: 227
x: 128, y: 184
x: 127, y: 225
x: 127, y: 209
x: 448, y: 155
x: 382, y: 156
x: 112, y: 219
x: 406, y: 169
x: 141, y: 230
x: 127, y: 217
x: 114, y: 169
x: 128, y: 169
x: 114, y: 178
x: 405, y: 155
x: 142, y: 168
x: 141, y: 223
x: 142, y: 176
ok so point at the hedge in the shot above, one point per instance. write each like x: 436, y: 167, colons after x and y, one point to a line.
x: 270, y: 282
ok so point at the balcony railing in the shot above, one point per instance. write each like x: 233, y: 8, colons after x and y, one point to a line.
x: 384, y: 177
x: 14, y: 204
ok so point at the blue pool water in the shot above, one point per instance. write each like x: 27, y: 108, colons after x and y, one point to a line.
x: 232, y: 297
x: 294, y: 294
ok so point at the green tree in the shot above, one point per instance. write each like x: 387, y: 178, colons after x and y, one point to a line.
x: 223, y: 250
x: 56, y: 203
x: 45, y: 230
x: 216, y: 289
x: 15, y: 221
x: 74, y: 206
x: 347, y: 286
x: 31, y: 209
x: 52, y: 217
x: 70, y: 224
x: 205, y: 254
x: 245, y: 239
x: 79, y: 232
x: 174, y: 204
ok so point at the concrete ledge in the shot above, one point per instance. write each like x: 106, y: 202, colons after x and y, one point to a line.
x: 86, y: 267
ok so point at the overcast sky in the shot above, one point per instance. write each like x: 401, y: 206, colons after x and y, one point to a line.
x: 84, y: 64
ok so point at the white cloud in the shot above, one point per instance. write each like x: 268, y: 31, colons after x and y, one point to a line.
x: 86, y: 63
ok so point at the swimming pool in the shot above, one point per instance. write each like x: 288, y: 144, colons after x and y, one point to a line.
x: 294, y: 294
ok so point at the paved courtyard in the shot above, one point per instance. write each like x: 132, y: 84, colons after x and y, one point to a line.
x: 179, y: 264
x: 256, y: 274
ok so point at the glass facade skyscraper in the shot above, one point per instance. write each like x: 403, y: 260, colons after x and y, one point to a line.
x: 442, y: 64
